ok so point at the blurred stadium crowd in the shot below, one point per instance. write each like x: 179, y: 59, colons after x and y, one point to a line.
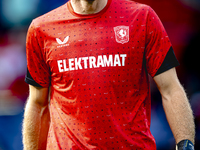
x: 181, y: 19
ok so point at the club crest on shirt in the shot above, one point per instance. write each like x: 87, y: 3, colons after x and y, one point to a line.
x: 122, y: 34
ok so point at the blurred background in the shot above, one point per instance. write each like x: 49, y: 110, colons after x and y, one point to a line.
x: 181, y: 19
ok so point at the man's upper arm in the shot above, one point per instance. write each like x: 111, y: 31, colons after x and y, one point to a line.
x: 167, y: 81
x: 38, y: 95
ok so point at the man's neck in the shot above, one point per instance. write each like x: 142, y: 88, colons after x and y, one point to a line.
x: 88, y: 6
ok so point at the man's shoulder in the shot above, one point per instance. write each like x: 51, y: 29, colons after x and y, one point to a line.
x: 52, y: 16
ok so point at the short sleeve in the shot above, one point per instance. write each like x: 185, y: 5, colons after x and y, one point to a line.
x: 157, y: 43
x: 38, y: 70
x: 169, y: 62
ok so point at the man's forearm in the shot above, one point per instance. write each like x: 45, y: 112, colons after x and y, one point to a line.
x: 179, y: 114
x: 35, y: 126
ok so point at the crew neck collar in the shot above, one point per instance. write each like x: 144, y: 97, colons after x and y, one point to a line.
x: 71, y: 10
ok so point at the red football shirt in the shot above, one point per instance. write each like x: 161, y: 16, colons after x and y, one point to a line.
x: 97, y: 67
